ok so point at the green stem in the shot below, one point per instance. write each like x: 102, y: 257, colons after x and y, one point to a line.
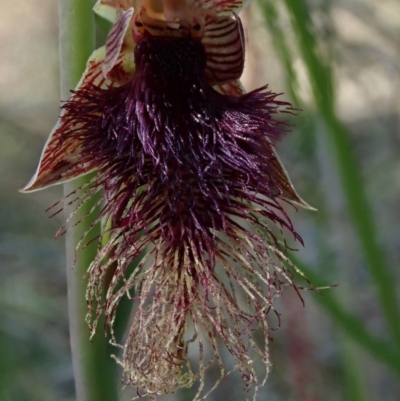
x: 94, y: 370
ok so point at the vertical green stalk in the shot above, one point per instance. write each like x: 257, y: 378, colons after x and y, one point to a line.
x: 94, y: 370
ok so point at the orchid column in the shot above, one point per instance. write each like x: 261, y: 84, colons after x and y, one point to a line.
x: 94, y: 370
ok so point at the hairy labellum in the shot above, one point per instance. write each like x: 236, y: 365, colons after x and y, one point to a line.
x: 187, y: 172
x: 205, y: 153
x: 192, y: 191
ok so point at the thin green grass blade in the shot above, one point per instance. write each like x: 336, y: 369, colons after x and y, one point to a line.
x: 349, y: 323
x: 280, y: 43
x: 306, y: 125
x: 320, y: 75
x: 354, y: 386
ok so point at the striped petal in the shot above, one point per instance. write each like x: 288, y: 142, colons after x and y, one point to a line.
x: 236, y: 89
x: 61, y: 159
x: 221, y: 7
x: 111, y: 9
x: 119, y: 62
x: 223, y: 41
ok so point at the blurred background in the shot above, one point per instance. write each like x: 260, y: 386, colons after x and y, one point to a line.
x: 336, y: 60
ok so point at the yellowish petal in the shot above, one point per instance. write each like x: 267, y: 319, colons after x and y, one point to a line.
x: 111, y: 9
x: 61, y: 157
x: 119, y: 61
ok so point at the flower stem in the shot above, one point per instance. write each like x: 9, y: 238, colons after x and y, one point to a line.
x: 94, y: 370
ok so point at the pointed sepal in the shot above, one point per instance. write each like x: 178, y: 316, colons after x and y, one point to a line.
x: 61, y: 159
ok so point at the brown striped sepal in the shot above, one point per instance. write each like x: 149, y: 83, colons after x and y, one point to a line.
x: 223, y: 41
x: 61, y: 159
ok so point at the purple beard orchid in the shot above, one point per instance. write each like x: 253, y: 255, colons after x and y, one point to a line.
x: 189, y: 178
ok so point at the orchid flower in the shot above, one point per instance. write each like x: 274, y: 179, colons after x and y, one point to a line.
x: 189, y: 178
